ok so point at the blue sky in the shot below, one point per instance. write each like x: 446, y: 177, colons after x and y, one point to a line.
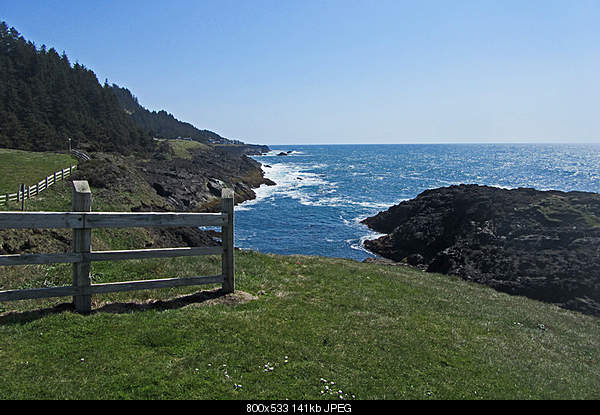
x: 303, y: 72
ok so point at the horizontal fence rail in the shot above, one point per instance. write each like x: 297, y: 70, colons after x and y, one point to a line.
x: 75, y: 220
x: 82, y: 221
x: 26, y: 192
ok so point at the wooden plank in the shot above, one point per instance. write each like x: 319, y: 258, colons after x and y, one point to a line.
x: 152, y: 284
x: 153, y: 253
x: 44, y: 220
x: 227, y: 238
x: 33, y: 293
x: 30, y: 259
x: 71, y: 258
x: 36, y: 293
x: 82, y: 243
x: 75, y: 220
x: 151, y: 219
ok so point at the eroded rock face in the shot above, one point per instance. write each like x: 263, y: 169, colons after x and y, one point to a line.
x: 196, y: 185
x: 543, y: 245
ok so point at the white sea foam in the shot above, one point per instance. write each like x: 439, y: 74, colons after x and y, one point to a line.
x: 292, y: 180
x: 276, y: 153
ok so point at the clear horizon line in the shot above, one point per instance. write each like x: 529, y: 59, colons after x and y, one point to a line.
x: 430, y: 142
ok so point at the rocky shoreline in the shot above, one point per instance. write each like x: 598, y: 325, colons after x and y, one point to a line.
x: 540, y: 244
x: 157, y: 184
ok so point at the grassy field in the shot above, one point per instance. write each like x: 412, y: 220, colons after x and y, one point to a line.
x: 18, y: 167
x: 184, y: 149
x: 377, y: 332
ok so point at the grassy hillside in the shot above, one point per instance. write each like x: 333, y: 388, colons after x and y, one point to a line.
x: 28, y: 167
x: 377, y: 332
x: 184, y: 148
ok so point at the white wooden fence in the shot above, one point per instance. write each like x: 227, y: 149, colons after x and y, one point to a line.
x: 82, y: 221
x: 26, y: 191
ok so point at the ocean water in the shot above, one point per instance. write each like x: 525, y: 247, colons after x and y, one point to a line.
x: 323, y: 192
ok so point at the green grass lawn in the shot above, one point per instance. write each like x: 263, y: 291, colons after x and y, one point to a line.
x: 378, y: 332
x: 27, y: 167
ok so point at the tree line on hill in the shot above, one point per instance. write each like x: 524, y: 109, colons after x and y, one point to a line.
x: 45, y: 101
x: 161, y: 123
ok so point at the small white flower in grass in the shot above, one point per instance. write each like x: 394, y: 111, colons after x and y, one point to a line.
x: 82, y: 359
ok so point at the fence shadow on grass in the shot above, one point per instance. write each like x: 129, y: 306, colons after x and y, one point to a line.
x: 216, y: 296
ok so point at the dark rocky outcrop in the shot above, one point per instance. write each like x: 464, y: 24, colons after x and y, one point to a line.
x: 541, y: 244
x: 196, y: 184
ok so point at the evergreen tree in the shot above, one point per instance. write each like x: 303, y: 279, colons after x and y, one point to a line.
x: 44, y: 100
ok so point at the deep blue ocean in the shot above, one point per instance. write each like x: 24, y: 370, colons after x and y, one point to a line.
x: 323, y: 192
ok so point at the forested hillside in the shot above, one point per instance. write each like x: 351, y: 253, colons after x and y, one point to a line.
x: 45, y: 100
x: 161, y: 124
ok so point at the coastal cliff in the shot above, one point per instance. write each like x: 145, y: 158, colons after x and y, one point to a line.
x: 540, y: 244
x: 131, y: 183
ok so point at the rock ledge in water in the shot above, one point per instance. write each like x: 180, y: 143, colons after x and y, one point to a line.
x: 541, y: 244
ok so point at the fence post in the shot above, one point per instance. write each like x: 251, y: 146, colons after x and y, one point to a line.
x: 82, y: 243
x: 22, y: 191
x: 227, y: 239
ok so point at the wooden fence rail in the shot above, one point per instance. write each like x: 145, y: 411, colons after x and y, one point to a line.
x: 25, y: 191
x: 82, y: 221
